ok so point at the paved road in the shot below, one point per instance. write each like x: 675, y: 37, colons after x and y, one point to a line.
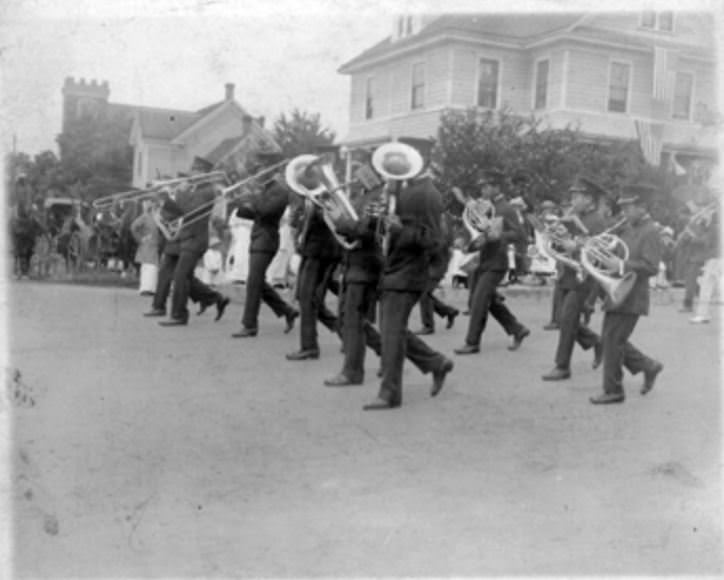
x: 183, y: 452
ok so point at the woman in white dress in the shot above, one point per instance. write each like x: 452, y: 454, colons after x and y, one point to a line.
x: 237, y: 262
x: 147, y: 235
x: 278, y: 270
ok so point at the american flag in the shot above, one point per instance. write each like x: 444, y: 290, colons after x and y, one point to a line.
x: 650, y: 141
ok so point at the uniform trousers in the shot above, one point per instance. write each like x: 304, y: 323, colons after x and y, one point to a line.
x: 358, y: 313
x: 618, y: 352
x: 197, y: 291
x: 691, y: 276
x: 484, y: 301
x: 573, y: 301
x: 258, y: 290
x: 398, y: 343
x: 431, y: 305
x: 556, y: 303
x: 185, y: 284
x: 314, y: 280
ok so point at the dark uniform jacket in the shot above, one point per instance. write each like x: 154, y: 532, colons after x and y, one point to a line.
x: 266, y: 210
x: 318, y: 242
x: 595, y: 224
x: 191, y: 204
x: 494, y: 253
x: 644, y: 245
x: 420, y: 208
x: 362, y: 265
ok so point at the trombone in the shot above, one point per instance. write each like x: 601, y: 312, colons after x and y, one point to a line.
x: 171, y: 229
x: 108, y: 201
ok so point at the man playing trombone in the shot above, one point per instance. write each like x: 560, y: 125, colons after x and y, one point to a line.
x: 192, y: 206
x: 575, y: 286
x: 266, y: 209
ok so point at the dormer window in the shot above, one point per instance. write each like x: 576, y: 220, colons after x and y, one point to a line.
x: 663, y: 21
x: 406, y: 26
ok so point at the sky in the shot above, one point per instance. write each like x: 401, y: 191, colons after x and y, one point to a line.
x: 280, y: 54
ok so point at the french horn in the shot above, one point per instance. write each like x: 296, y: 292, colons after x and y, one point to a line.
x: 601, y: 258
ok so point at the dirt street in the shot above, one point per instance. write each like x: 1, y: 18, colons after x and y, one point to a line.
x: 181, y: 452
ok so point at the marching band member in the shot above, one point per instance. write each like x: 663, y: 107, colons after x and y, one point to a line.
x: 192, y: 240
x: 491, y: 270
x: 266, y: 209
x: 574, y: 291
x: 429, y: 303
x: 642, y: 239
x: 320, y: 254
x: 362, y: 266
x: 695, y: 244
x: 414, y: 233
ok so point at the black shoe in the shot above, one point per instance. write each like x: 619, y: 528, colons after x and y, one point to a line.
x: 291, y: 316
x: 557, y: 374
x: 147, y: 293
x: 174, y: 322
x: 221, y: 305
x: 551, y: 326
x: 424, y: 330
x: 380, y: 405
x: 310, y: 353
x: 466, y: 312
x: 608, y: 399
x: 451, y: 319
x: 518, y: 339
x: 245, y: 332
x: 467, y: 349
x: 341, y: 380
x: 380, y: 373
x: 438, y: 377
x: 650, y: 377
x: 597, y: 355
x: 155, y: 312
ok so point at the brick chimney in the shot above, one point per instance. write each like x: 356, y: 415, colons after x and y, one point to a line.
x: 229, y: 91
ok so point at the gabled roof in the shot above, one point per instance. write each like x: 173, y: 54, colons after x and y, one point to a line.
x: 223, y: 149
x: 513, y: 27
x: 164, y: 124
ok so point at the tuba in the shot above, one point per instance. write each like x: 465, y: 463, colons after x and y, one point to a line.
x: 395, y: 162
x: 479, y: 219
x: 596, y: 255
x: 315, y: 180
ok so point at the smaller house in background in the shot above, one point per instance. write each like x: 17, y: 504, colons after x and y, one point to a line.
x: 165, y: 141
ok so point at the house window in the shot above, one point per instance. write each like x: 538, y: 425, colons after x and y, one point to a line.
x: 400, y: 26
x: 663, y: 21
x: 682, y: 95
x: 488, y: 83
x: 409, y: 25
x: 139, y: 163
x: 541, y: 84
x: 369, y: 98
x: 666, y: 21
x: 418, y: 85
x: 618, y: 87
x: 648, y: 19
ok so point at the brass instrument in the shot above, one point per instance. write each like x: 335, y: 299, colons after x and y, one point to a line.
x: 395, y: 162
x: 314, y: 179
x: 602, y: 258
x: 699, y: 222
x: 108, y: 201
x: 480, y: 221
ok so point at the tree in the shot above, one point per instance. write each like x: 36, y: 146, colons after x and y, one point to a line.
x: 95, y: 154
x: 301, y: 132
x: 540, y: 163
